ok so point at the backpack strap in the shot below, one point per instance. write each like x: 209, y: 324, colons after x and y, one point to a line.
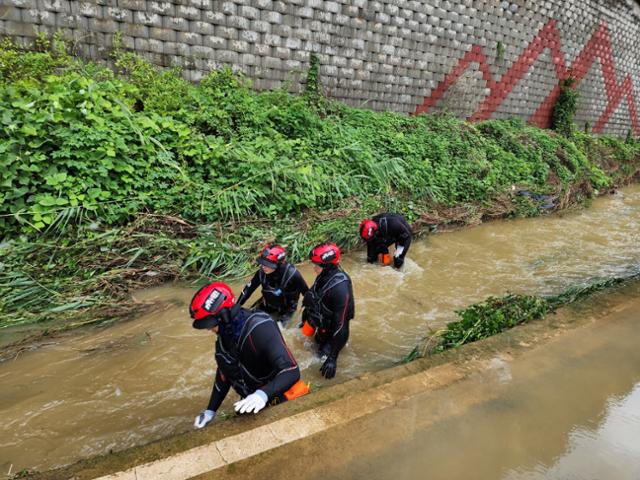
x: 337, y: 279
x: 255, y: 319
x: 384, y: 225
x: 289, y: 272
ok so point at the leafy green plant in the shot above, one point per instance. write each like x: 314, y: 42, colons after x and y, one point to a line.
x: 47, y: 57
x: 564, y: 109
x: 70, y: 142
x: 312, y: 88
x: 490, y: 317
x: 499, y: 52
x: 497, y: 314
x: 160, y: 90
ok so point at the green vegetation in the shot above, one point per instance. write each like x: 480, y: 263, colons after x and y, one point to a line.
x: 564, y: 110
x: 491, y: 317
x: 112, y: 180
x: 312, y: 89
x: 495, y: 315
x: 583, y: 290
x: 499, y: 52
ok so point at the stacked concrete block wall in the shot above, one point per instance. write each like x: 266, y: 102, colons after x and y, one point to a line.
x: 475, y: 58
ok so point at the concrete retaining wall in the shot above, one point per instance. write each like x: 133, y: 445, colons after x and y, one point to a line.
x: 477, y: 59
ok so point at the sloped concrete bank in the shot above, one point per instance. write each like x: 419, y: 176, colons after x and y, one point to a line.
x: 220, y: 446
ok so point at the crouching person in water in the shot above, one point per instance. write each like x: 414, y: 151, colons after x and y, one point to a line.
x: 381, y: 232
x: 282, y: 284
x: 251, y: 355
x: 329, y: 305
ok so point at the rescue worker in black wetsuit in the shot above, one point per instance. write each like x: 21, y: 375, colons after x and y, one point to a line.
x: 329, y: 305
x: 282, y: 284
x: 251, y: 354
x: 383, y: 230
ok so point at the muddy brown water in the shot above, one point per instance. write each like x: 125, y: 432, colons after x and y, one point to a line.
x: 108, y: 389
x: 568, y: 409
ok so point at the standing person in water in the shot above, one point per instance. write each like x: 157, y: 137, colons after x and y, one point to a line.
x: 251, y: 354
x: 282, y: 284
x: 383, y: 230
x: 329, y: 305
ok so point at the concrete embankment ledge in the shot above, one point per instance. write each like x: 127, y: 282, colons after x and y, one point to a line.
x: 226, y: 451
x: 224, y: 443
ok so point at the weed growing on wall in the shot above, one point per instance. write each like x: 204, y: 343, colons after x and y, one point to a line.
x: 312, y: 88
x: 499, y: 52
x: 564, y: 110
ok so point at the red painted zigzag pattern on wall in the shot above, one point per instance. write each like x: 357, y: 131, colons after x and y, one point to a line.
x: 598, y: 46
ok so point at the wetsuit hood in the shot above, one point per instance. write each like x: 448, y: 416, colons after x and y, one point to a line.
x: 328, y: 269
x: 231, y: 326
x: 279, y: 270
x: 327, y: 272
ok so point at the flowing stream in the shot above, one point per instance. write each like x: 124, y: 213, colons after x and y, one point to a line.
x: 111, y: 388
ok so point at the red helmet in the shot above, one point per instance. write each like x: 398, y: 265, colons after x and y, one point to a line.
x: 325, y: 254
x: 208, y: 302
x: 272, y: 256
x: 368, y: 229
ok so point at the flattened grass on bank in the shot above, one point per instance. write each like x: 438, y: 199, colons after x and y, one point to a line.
x: 497, y: 314
x: 113, y: 180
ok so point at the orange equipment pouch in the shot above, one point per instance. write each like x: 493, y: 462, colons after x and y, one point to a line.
x: 307, y: 330
x: 297, y: 390
x: 384, y: 258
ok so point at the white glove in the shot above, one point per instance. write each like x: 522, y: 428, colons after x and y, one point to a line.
x: 252, y: 403
x: 204, y: 418
x: 398, y: 251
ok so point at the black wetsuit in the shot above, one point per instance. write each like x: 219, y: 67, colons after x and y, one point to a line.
x: 329, y: 307
x: 280, y: 290
x: 251, y: 355
x: 392, y: 228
